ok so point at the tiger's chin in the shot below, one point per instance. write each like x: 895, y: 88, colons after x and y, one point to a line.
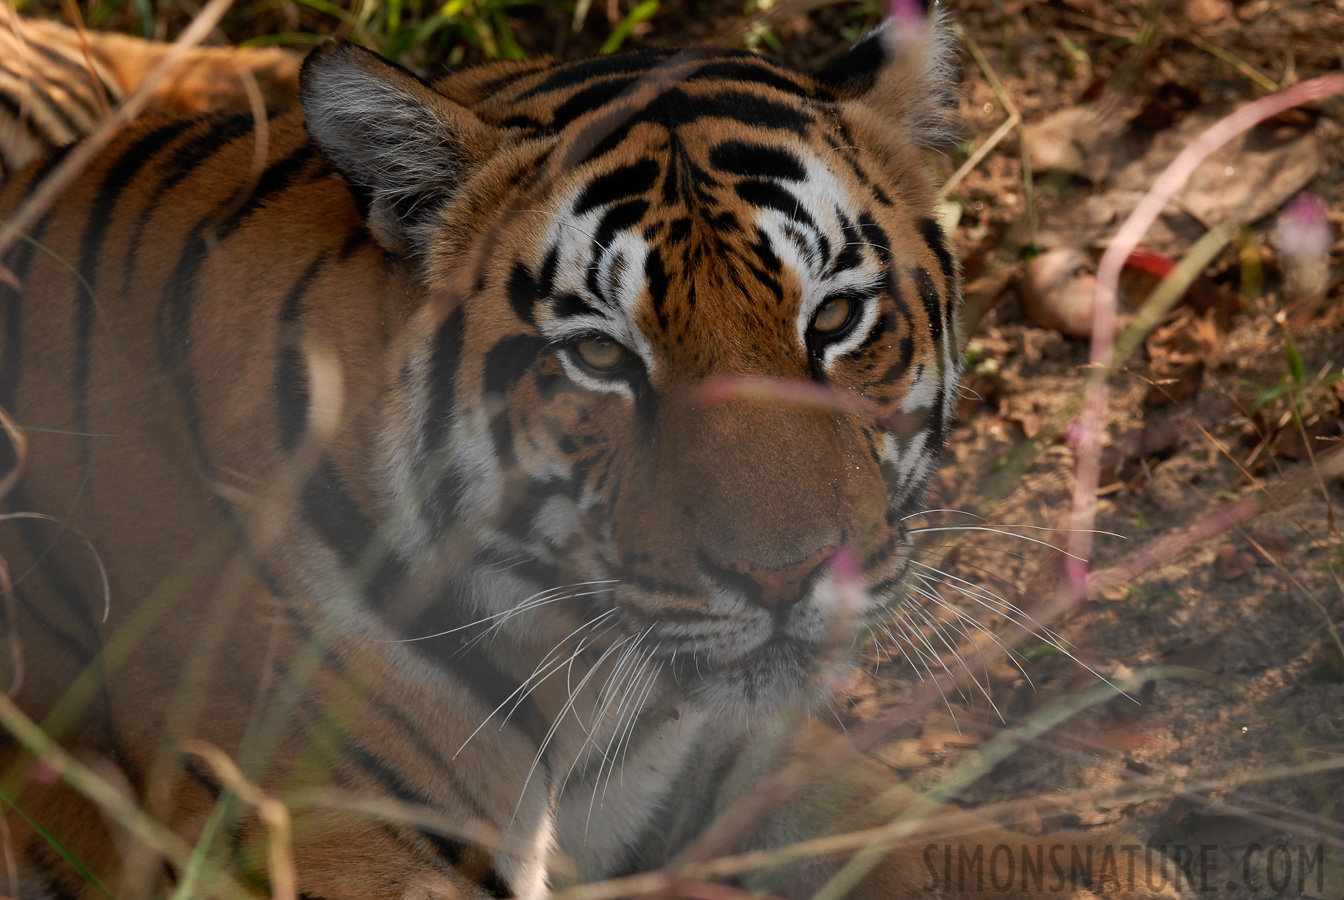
x: 781, y: 675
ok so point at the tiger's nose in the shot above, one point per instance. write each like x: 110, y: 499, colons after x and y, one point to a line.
x: 777, y: 588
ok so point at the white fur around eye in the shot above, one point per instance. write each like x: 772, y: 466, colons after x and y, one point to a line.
x: 619, y: 268
x: 867, y: 319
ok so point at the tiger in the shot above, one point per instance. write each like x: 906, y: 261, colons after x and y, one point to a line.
x: 485, y: 495
x: 57, y: 84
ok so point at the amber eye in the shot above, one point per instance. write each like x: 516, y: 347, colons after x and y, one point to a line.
x: 833, y: 315
x: 600, y: 353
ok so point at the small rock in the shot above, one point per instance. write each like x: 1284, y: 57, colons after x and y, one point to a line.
x: 1136, y: 765
x: 1230, y: 564
x: 1062, y: 140
x: 1323, y: 430
x: 1207, y: 12
x: 1058, y: 292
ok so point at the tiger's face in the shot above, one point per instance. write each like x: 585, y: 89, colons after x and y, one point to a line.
x: 691, y: 360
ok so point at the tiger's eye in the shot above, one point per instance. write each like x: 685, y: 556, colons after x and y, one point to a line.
x: 832, y: 315
x: 600, y: 352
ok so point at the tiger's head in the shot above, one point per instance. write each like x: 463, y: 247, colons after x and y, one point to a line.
x: 689, y: 354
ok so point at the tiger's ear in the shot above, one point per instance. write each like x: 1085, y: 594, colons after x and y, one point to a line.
x: 403, y: 147
x: 905, y: 71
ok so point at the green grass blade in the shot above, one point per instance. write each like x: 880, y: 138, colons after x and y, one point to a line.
x: 56, y: 844
x: 641, y: 13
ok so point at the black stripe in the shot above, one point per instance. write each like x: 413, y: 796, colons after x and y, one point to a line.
x: 679, y: 230
x: 291, y: 371
x: 937, y: 241
x: 291, y: 396
x: 849, y: 256
x: 179, y: 294
x: 589, y: 99
x: 523, y: 293
x: 569, y: 304
x: 903, y: 357
x: 353, y: 534
x: 676, y: 159
x: 79, y: 652
x: 116, y: 179
x: 906, y: 345
x: 440, y: 505
x: 77, y: 69
x: 933, y: 303
x: 493, y: 883
x: 620, y: 217
x: 876, y: 236
x: 505, y: 364
x: 675, y: 108
x: 469, y: 661
x: 19, y: 260
x: 656, y: 275
x: 756, y: 161
x: 23, y: 118
x: 278, y: 177
x: 546, y: 277
x: 203, y: 778
x: 855, y: 71
x: 522, y: 505
x: 765, y: 252
x: 453, y: 851
x: 379, y: 704
x: 335, y: 516
x: 41, y: 99
x: 358, y: 239
x: 881, y: 329
x: 618, y: 184
x: 751, y: 69
x: 770, y: 264
x: 185, y: 161
x: 633, y: 62
x: 54, y: 867
x: 770, y: 195
x: 443, y: 362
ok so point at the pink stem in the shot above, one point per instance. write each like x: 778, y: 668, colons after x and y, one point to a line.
x: 1093, y: 420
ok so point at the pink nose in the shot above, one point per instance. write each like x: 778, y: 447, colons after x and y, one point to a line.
x: 781, y: 587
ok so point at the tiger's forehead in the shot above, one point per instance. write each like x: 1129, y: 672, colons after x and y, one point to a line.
x: 726, y: 240
x: 670, y: 88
